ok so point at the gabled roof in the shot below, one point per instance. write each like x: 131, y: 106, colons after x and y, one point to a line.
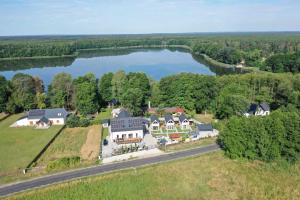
x: 123, y: 114
x: 253, y: 107
x: 44, y: 119
x: 182, y: 117
x: 205, y: 127
x: 127, y: 124
x: 48, y: 113
x: 154, y: 118
x: 168, y: 118
x: 265, y: 106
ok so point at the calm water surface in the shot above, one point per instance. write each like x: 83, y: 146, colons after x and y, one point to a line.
x: 156, y: 63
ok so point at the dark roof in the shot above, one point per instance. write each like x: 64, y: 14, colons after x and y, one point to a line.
x: 44, y: 119
x: 182, y: 117
x: 48, y: 113
x: 123, y: 114
x: 265, y: 106
x: 168, y: 118
x: 127, y: 124
x: 154, y: 118
x: 205, y: 127
x: 104, y: 121
x: 253, y: 107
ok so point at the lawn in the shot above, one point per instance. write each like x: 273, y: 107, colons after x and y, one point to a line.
x: 189, y: 145
x: 2, y: 115
x: 208, y: 118
x: 104, y: 133
x: 210, y: 176
x: 18, y: 146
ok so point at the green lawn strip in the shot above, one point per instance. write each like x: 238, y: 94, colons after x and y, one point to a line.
x: 18, y: 146
x: 210, y: 176
x: 104, y: 133
x: 190, y: 145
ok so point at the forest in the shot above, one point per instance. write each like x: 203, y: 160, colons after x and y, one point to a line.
x: 275, y: 52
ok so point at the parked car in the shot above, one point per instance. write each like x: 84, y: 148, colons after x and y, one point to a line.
x: 105, y: 142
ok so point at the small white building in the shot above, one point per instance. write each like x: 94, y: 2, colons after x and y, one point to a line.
x: 43, y: 118
x: 184, y: 122
x: 206, y: 130
x: 262, y: 109
x: 154, y: 123
x: 169, y: 122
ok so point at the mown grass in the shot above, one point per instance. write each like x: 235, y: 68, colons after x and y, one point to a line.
x: 210, y: 176
x: 208, y: 118
x: 18, y: 146
x: 2, y: 115
x: 189, y: 145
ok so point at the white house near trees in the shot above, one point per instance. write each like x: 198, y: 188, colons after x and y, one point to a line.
x: 43, y: 118
x: 154, y: 123
x: 126, y: 129
x: 184, y: 122
x: 262, y: 109
x: 169, y: 122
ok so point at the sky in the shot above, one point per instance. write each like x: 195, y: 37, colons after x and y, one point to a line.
x: 64, y: 17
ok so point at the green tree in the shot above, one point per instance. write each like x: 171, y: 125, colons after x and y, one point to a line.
x: 61, y: 91
x: 105, y: 87
x: 118, y: 82
x: 24, y: 93
x: 4, y: 93
x: 133, y: 100
x: 41, y: 100
x: 86, y: 94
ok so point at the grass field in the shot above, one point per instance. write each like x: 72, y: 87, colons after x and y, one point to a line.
x: 2, y: 115
x: 67, y: 144
x: 210, y: 176
x: 18, y: 146
x: 208, y: 118
x: 189, y: 145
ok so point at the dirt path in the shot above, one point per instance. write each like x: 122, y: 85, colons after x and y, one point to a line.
x: 90, y: 150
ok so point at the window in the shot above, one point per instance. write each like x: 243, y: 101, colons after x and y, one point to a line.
x: 136, y: 135
x: 117, y: 136
x: 130, y: 135
x: 123, y: 136
x: 31, y: 122
x: 57, y: 121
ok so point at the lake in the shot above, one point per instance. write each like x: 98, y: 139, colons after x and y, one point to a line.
x: 156, y: 63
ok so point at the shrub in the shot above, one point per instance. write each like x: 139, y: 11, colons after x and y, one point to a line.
x: 63, y: 163
x: 76, y: 121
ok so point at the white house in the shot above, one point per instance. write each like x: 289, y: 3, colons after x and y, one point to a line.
x: 43, y: 118
x: 125, y: 129
x: 205, y: 130
x: 262, y: 109
x: 169, y: 122
x: 184, y: 122
x: 154, y: 123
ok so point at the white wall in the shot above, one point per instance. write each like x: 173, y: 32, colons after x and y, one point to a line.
x: 114, y: 135
x: 57, y: 121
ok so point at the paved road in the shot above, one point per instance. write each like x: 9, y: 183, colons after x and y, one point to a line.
x: 60, y: 177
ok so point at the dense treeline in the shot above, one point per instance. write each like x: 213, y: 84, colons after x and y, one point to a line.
x: 274, y: 52
x: 268, y: 138
x: 225, y: 96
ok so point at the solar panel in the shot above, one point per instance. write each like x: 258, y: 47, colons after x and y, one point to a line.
x: 36, y: 112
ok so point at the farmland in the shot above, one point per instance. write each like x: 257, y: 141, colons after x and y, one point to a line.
x: 210, y: 176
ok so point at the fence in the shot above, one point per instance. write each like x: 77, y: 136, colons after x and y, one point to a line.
x: 43, y: 150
